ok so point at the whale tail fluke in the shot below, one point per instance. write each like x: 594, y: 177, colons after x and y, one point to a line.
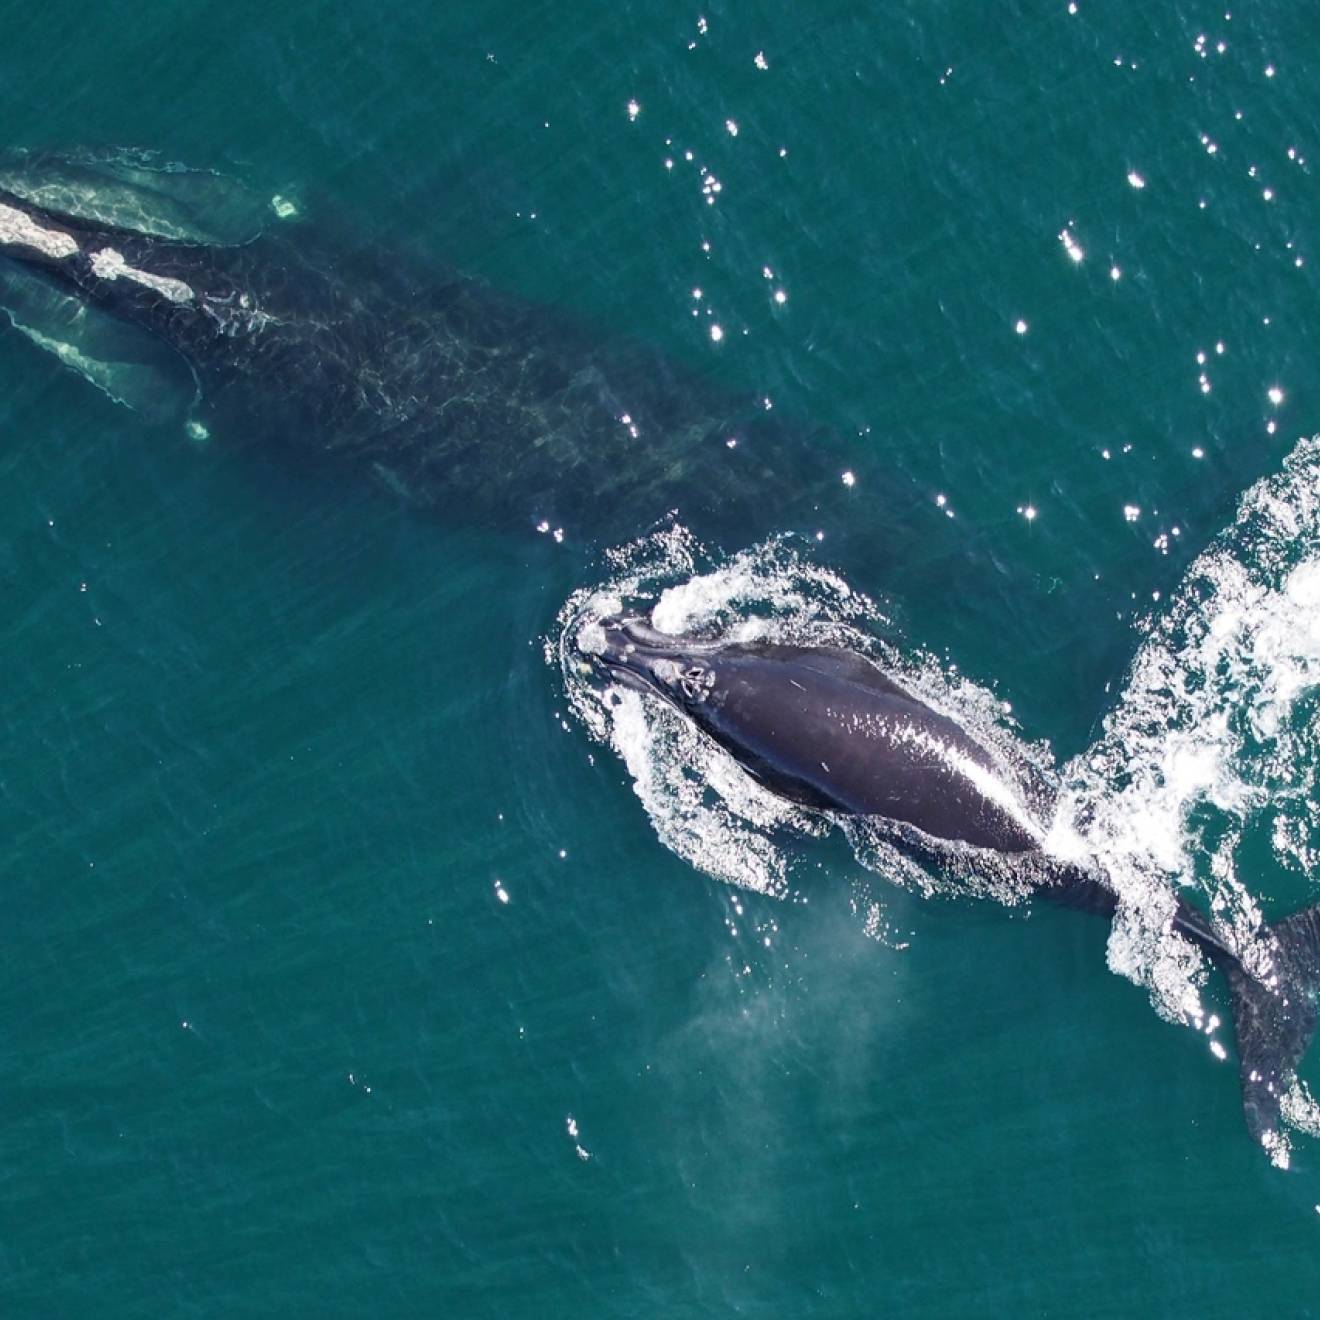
x: 1275, y: 1019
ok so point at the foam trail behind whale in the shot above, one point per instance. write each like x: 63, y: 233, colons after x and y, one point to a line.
x: 1211, y: 753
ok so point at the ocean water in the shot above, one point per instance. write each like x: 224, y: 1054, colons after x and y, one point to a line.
x: 347, y: 972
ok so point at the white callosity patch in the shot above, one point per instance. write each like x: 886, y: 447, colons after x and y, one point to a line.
x: 109, y: 264
x: 20, y: 228
x: 1300, y: 1109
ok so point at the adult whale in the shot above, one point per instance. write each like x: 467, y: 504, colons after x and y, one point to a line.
x: 827, y: 729
x: 184, y: 293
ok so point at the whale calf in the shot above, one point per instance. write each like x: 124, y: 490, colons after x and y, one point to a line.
x: 827, y: 729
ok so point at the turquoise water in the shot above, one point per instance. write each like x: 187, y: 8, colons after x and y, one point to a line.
x: 275, y: 747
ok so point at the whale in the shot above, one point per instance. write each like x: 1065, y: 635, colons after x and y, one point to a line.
x: 199, y: 301
x: 827, y: 729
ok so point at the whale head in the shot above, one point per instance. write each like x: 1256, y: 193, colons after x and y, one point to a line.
x: 625, y: 649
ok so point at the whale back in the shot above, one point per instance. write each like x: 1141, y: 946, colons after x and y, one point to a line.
x: 829, y: 729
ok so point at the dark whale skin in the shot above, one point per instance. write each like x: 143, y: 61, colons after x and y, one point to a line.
x: 829, y: 729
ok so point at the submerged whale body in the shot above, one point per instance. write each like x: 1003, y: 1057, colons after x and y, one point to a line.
x: 827, y: 729
x: 184, y: 294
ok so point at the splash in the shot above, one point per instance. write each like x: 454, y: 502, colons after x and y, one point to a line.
x: 1209, y: 756
x: 1213, y: 739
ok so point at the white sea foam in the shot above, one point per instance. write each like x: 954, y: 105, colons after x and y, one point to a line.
x: 1213, y: 736
x: 1212, y: 743
x: 1211, y: 749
